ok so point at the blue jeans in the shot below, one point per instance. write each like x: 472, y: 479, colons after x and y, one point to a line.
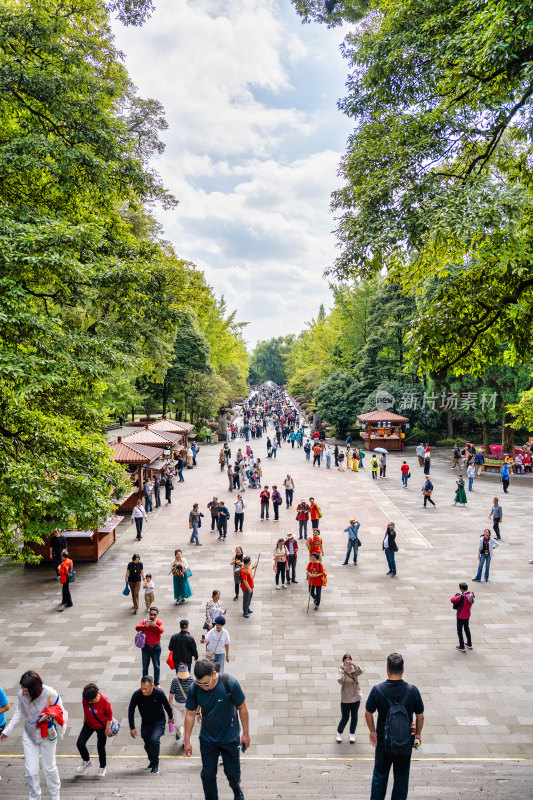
x: 148, y: 506
x: 194, y: 534
x: 483, y: 560
x: 391, y: 561
x: 220, y: 658
x: 139, y: 526
x: 288, y: 496
x: 470, y: 484
x: 210, y: 752
x: 382, y: 764
x: 308, y: 455
x: 352, y: 545
x: 152, y: 652
x: 404, y: 479
x: 151, y: 734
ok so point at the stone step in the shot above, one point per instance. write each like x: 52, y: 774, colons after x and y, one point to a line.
x: 283, y: 779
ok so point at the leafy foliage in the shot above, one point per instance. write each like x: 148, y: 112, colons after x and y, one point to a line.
x: 268, y: 359
x: 437, y: 172
x: 337, y: 400
x: 90, y: 298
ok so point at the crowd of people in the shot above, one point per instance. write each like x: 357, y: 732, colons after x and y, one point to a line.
x: 200, y: 689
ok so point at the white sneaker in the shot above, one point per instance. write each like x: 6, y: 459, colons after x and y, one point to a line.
x: 277, y: 587
x: 283, y: 586
x: 102, y: 771
x: 83, y: 766
x: 352, y: 738
x: 339, y: 737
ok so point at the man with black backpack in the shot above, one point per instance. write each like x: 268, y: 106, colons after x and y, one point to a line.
x: 395, y: 734
x: 222, y: 704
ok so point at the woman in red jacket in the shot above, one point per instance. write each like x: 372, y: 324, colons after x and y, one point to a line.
x: 63, y: 570
x: 97, y: 716
x: 315, y: 571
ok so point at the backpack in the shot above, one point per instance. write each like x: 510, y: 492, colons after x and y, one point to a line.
x: 458, y: 605
x: 397, y: 739
x: 71, y: 577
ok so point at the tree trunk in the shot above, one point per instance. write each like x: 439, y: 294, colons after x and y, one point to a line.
x: 507, y: 434
x: 133, y: 413
x: 185, y: 407
x: 165, y: 398
x: 449, y: 420
x: 485, y: 436
x: 222, y: 424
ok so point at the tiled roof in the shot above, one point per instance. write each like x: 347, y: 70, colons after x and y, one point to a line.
x: 381, y: 416
x: 133, y: 454
x: 171, y: 426
x: 151, y: 437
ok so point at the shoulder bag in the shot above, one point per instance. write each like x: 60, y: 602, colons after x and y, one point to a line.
x: 210, y: 654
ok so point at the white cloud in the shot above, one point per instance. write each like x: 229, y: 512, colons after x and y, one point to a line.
x: 247, y: 149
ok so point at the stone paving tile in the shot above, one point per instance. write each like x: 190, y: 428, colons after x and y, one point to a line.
x: 286, y: 658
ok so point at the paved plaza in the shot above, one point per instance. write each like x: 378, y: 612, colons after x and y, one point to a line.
x: 477, y: 706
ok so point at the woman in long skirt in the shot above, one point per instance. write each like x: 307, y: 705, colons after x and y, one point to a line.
x: 349, y: 458
x: 460, y: 494
x: 182, y: 587
x: 355, y: 460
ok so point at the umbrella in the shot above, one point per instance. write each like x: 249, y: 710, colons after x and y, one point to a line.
x: 380, y: 450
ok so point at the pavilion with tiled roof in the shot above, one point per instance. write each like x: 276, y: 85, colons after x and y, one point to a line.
x: 142, y: 461
x: 382, y: 429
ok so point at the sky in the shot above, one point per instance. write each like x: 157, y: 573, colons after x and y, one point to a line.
x: 252, y: 148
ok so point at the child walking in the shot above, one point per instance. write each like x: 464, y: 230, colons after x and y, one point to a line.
x: 148, y: 587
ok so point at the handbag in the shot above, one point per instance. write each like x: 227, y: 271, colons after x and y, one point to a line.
x: 126, y: 590
x: 140, y: 639
x: 170, y: 660
x: 188, y: 573
x: 71, y: 577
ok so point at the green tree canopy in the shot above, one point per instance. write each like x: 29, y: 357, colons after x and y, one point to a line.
x: 268, y: 359
x: 88, y: 294
x: 437, y: 173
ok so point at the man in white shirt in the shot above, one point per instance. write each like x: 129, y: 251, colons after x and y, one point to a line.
x: 217, y: 641
x: 289, y: 490
x: 240, y: 505
x: 420, y: 451
x: 138, y: 515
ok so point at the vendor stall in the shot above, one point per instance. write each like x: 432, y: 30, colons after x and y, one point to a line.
x: 139, y: 459
x: 382, y: 429
x: 84, y: 545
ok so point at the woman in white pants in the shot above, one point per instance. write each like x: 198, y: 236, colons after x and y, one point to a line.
x: 34, y: 697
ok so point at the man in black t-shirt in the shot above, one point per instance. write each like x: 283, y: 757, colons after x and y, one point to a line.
x: 395, y: 690
x: 58, y: 543
x: 183, y: 646
x: 152, y: 704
